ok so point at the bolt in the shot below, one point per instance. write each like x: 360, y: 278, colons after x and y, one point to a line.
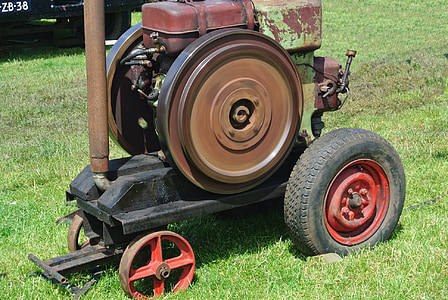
x: 351, y: 216
x: 241, y: 114
x: 345, y: 211
x: 363, y: 191
x: 350, y: 191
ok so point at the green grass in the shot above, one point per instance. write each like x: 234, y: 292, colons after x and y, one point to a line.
x: 399, y: 90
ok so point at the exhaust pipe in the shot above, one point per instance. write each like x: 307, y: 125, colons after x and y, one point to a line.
x: 94, y: 28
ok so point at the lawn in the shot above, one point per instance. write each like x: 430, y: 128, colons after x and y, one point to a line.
x: 399, y: 89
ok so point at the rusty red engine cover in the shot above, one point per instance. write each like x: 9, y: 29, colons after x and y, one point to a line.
x: 328, y: 75
x: 177, y: 24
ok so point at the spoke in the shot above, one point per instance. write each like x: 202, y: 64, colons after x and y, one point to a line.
x: 156, y: 249
x: 179, y: 262
x: 143, y: 272
x: 158, y: 286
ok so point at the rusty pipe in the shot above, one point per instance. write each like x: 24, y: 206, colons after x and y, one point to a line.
x: 94, y: 28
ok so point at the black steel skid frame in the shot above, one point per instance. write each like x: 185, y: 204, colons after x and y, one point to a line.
x: 145, y: 195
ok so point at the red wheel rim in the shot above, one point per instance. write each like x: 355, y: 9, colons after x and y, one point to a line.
x: 157, y: 266
x: 357, y: 202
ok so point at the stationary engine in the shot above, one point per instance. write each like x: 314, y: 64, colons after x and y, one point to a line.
x: 222, y: 89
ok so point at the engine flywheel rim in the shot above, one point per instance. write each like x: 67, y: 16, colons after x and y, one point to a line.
x: 130, y: 119
x: 229, y: 110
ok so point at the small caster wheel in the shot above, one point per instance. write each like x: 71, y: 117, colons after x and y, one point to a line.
x: 156, y: 263
x: 76, y: 239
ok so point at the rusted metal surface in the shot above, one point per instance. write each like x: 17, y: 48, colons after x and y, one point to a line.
x: 57, y: 268
x: 297, y: 27
x: 327, y: 80
x: 96, y: 85
x: 203, y: 104
x: 294, y: 24
x: 178, y: 24
x: 304, y: 63
x: 44, y: 266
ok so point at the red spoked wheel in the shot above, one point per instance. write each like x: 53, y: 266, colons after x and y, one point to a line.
x: 346, y: 192
x: 156, y: 263
x: 357, y: 202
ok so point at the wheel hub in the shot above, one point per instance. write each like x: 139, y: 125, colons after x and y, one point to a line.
x: 242, y: 119
x: 163, y: 271
x: 240, y: 114
x: 356, y: 202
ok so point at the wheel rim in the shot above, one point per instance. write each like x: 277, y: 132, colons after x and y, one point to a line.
x: 130, y: 118
x: 75, y: 232
x: 147, y: 258
x: 357, y: 202
x: 230, y: 110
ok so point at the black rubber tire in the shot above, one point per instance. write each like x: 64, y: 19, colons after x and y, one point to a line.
x: 312, y: 176
x: 117, y: 23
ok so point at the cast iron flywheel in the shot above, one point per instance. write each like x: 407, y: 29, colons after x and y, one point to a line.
x: 229, y: 110
x: 130, y: 118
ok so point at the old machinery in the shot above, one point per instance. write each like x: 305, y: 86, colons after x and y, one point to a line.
x: 219, y: 102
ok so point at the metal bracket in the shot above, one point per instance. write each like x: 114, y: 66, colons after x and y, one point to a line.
x: 88, y: 258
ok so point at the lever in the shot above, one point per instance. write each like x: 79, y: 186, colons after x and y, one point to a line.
x: 351, y: 54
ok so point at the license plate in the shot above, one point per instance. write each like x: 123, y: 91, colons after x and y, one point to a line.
x: 15, y: 6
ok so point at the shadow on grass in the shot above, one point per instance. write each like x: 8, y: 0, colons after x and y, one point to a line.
x: 248, y: 230
x: 440, y: 155
x: 29, y: 54
x: 214, y: 237
x: 397, y: 231
x: 236, y: 232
